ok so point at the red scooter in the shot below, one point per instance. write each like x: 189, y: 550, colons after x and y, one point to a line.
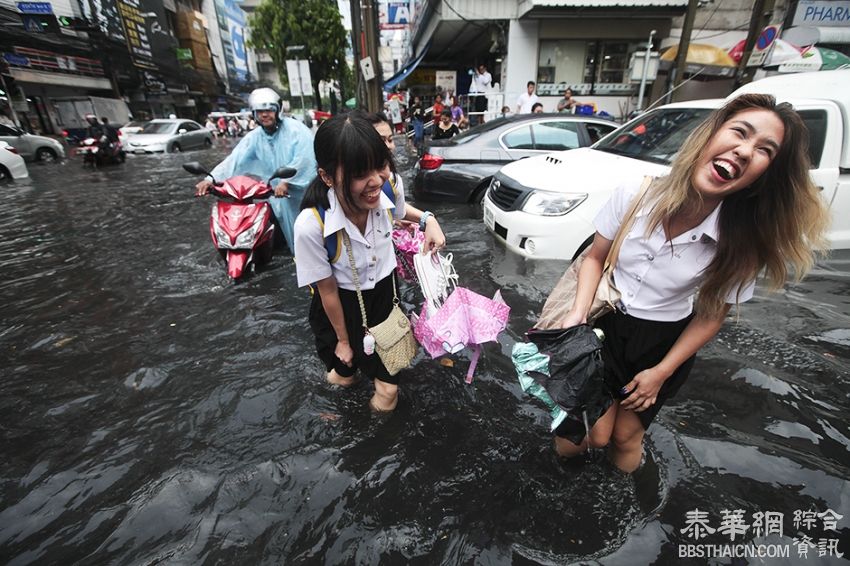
x: 242, y: 230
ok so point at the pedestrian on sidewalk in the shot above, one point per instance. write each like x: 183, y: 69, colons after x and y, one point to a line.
x: 527, y: 99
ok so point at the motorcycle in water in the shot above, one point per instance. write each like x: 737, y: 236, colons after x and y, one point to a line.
x: 242, y: 230
x: 100, y: 152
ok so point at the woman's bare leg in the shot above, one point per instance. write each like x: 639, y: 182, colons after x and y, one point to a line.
x: 385, y: 398
x: 599, y: 436
x: 627, y: 445
x: 336, y: 379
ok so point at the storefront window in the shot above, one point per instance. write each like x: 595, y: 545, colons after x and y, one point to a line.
x: 587, y: 67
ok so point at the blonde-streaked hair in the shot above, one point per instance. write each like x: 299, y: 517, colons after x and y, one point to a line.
x: 778, y: 222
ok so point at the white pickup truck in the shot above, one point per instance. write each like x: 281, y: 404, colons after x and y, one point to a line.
x: 543, y: 207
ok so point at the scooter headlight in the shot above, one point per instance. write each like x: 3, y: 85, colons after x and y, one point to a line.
x: 246, y: 239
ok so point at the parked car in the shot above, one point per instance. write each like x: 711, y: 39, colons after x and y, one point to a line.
x: 460, y: 169
x: 131, y: 128
x: 32, y: 147
x: 12, y: 165
x: 169, y: 135
x: 543, y: 207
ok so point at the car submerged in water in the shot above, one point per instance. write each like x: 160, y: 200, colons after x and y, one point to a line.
x: 170, y: 136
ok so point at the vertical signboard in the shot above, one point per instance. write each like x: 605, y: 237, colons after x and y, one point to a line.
x: 236, y: 27
x: 136, y: 32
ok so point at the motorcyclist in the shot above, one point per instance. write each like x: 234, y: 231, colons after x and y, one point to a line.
x: 110, y: 132
x: 277, y: 143
x: 93, y: 129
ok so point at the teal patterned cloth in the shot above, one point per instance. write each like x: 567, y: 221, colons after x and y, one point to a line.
x: 527, y: 358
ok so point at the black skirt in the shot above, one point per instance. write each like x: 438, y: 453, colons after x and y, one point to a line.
x: 632, y: 345
x: 379, y: 303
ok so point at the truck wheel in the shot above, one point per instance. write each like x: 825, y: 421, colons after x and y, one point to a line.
x: 45, y: 154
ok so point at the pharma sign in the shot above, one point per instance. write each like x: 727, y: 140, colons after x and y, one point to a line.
x: 822, y: 13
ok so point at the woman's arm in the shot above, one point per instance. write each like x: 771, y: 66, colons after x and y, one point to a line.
x: 329, y: 294
x: 588, y: 280
x: 434, y: 237
x: 645, y: 385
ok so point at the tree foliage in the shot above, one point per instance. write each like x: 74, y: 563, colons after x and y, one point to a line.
x: 315, y: 24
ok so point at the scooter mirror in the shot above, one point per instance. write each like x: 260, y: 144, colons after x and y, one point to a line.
x: 195, y: 168
x: 283, y: 173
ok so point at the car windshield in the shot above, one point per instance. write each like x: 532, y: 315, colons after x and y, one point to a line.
x: 158, y: 128
x: 655, y: 137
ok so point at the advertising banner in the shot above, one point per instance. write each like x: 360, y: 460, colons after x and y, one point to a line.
x: 236, y: 27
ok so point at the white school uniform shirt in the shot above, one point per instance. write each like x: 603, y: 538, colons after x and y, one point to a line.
x: 657, y: 282
x: 526, y: 101
x: 373, y: 251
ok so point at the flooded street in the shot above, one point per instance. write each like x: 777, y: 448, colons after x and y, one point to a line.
x: 153, y: 412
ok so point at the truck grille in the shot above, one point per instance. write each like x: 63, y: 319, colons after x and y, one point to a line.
x: 504, y: 196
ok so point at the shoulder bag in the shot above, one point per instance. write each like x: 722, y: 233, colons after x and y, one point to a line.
x: 562, y: 297
x: 394, y: 341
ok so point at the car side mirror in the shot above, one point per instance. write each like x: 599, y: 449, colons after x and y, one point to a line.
x: 181, y: 131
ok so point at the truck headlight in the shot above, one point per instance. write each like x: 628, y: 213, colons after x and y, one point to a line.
x: 552, y: 204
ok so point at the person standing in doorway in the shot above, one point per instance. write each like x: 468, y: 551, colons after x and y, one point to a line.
x: 480, y: 86
x: 527, y: 99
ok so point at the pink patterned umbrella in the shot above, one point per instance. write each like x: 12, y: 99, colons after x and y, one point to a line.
x: 466, y: 319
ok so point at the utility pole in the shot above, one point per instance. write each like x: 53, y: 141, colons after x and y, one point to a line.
x: 358, y: 48
x: 685, y: 43
x: 762, y: 12
x: 646, y: 57
x: 374, y: 97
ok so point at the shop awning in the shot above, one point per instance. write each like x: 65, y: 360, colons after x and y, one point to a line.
x: 408, y: 68
x: 802, y: 35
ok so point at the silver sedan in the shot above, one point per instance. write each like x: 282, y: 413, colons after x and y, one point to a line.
x: 169, y: 135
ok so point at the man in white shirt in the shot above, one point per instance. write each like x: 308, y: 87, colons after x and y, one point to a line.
x: 527, y: 99
x: 480, y: 86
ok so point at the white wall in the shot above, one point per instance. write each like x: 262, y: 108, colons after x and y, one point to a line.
x: 520, y: 65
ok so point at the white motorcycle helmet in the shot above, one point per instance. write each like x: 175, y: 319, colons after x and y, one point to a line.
x: 264, y: 99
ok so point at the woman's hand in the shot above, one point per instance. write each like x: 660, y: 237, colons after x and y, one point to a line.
x: 434, y: 237
x: 344, y: 352
x: 643, y: 390
x: 408, y: 225
x: 573, y: 318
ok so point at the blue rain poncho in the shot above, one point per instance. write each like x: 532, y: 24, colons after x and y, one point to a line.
x: 260, y: 154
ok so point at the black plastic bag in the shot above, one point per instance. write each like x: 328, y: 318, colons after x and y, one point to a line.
x: 575, y: 380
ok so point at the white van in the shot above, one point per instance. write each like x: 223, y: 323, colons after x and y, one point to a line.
x: 543, y: 207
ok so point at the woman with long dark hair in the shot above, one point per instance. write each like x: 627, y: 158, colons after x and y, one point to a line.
x: 738, y: 202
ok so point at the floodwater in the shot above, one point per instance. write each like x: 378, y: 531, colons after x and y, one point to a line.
x: 152, y: 412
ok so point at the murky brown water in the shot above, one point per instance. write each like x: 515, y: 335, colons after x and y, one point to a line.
x: 152, y: 412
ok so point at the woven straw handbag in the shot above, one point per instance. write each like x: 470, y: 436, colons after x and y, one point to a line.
x: 394, y: 341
